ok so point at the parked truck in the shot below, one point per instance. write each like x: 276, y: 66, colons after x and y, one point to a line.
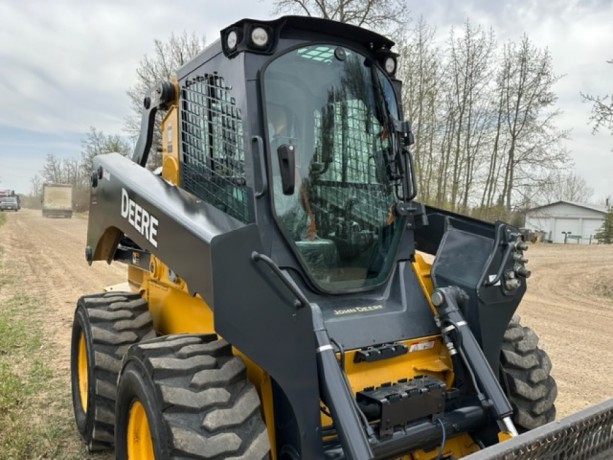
x: 57, y: 200
x: 9, y: 200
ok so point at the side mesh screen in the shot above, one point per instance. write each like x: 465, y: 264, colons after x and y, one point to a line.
x: 213, y: 153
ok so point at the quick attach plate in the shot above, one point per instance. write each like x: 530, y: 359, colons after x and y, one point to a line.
x: 403, y: 402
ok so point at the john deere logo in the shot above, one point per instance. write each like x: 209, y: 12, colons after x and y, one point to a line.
x: 146, y: 224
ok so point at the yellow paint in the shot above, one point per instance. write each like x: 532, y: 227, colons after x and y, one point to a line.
x: 82, y: 371
x: 136, y: 277
x: 422, y: 271
x: 263, y: 385
x: 170, y: 142
x: 139, y: 445
x: 174, y: 311
x: 434, y: 361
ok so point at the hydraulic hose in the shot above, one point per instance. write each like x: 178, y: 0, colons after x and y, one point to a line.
x: 447, y: 301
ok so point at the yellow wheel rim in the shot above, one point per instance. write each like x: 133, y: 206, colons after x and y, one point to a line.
x: 82, y: 371
x: 140, y: 445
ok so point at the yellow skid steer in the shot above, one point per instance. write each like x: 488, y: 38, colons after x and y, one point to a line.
x: 288, y: 298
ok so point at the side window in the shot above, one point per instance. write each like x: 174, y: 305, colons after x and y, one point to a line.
x: 213, y: 152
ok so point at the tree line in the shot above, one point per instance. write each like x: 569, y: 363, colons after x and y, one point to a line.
x: 483, y: 113
x: 77, y: 172
x: 484, y: 117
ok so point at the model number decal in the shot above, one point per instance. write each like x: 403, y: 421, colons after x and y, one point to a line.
x: 420, y: 346
x: 145, y: 223
x: 351, y: 310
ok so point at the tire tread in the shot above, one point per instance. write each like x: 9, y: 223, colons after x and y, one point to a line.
x: 209, y: 408
x: 117, y: 320
x: 526, y: 369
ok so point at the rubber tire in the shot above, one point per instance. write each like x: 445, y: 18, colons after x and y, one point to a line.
x: 110, y: 322
x: 526, y: 377
x: 197, y: 398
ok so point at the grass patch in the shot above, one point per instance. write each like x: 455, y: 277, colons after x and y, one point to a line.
x: 36, y: 418
x: 2, y: 218
x: 25, y: 383
x: 604, y: 287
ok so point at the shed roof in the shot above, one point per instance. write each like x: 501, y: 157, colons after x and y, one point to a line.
x: 602, y: 209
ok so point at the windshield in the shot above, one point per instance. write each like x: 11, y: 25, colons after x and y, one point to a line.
x: 331, y: 109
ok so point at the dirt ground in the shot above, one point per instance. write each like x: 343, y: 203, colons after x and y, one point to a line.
x: 48, y: 255
x: 569, y: 302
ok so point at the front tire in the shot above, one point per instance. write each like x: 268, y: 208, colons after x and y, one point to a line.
x: 104, y: 326
x: 196, y: 401
x: 526, y: 377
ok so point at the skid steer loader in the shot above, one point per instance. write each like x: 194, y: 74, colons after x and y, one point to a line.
x: 287, y: 297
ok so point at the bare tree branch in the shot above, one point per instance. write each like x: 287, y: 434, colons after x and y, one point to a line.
x: 167, y: 57
x: 601, y: 115
x: 388, y: 16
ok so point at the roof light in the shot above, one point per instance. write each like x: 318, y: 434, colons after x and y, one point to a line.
x: 231, y: 40
x: 259, y: 37
x: 246, y: 35
x: 390, y: 65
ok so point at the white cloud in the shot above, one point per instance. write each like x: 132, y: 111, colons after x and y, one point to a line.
x: 67, y: 64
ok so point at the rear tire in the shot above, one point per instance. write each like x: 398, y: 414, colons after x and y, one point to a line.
x: 526, y: 377
x: 105, y: 325
x: 197, y: 399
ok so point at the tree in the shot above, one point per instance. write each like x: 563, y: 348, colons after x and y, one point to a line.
x: 468, y: 74
x: 563, y: 186
x: 380, y: 15
x: 484, y: 119
x: 605, y: 233
x: 37, y: 186
x: 420, y: 71
x: 60, y: 171
x: 602, y: 110
x: 525, y: 85
x: 96, y: 143
x: 167, y: 58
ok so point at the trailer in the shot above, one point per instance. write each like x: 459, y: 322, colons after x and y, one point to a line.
x: 57, y: 200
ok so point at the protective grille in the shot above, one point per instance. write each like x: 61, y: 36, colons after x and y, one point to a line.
x: 213, y: 155
x: 586, y: 435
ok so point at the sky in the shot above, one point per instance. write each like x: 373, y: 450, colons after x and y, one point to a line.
x: 65, y: 66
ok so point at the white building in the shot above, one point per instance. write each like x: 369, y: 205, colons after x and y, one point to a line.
x: 564, y: 220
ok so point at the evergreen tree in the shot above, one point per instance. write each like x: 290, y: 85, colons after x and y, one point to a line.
x: 605, y: 233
